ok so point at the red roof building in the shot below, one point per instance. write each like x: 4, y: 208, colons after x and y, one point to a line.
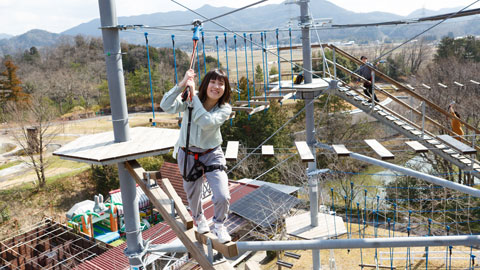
x: 115, y: 259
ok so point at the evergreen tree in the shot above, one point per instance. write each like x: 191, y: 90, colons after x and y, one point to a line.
x: 11, y: 84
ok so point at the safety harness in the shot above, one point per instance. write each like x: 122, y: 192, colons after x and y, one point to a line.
x: 198, y: 168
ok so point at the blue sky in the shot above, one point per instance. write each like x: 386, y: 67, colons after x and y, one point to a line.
x: 19, y: 16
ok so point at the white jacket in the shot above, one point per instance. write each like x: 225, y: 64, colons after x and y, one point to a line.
x: 205, y: 127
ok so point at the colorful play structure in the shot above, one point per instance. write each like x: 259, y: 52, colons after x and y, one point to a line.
x: 104, y: 221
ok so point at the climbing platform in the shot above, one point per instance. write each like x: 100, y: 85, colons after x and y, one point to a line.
x: 101, y: 149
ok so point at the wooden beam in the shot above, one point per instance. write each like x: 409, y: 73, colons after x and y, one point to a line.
x: 259, y: 109
x: 341, y: 150
x: 267, y: 150
x: 442, y: 85
x: 242, y: 109
x: 152, y: 175
x: 228, y: 249
x: 304, y: 151
x: 458, y: 145
x: 231, y: 152
x: 179, y: 206
x: 380, y: 149
x: 252, y: 102
x: 156, y: 196
x: 417, y: 147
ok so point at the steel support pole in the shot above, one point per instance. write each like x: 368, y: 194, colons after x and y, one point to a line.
x: 391, y: 242
x: 305, y: 22
x: 118, y: 103
x: 429, y: 178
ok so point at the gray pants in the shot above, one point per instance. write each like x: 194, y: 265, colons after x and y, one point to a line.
x: 217, y: 180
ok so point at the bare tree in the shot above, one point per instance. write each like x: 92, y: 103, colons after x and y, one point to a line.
x: 35, y: 131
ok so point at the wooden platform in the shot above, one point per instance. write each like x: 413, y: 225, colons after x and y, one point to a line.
x: 299, y: 226
x: 100, y: 149
x: 456, y: 144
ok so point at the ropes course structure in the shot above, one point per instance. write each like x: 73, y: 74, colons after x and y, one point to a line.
x: 410, y: 212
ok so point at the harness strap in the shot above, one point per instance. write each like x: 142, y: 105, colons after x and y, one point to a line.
x: 199, y: 169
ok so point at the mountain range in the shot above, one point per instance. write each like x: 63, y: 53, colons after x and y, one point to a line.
x: 255, y: 19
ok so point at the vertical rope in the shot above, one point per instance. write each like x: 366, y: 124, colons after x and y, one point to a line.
x: 174, y: 59
x: 266, y: 67
x: 450, y: 259
x: 204, y: 57
x: 236, y: 64
x: 376, y: 230
x: 279, y: 66
x: 226, y: 60
x: 408, y: 261
x: 291, y: 58
x: 253, y: 65
x: 199, y: 70
x: 175, y: 65
x: 390, y: 249
x: 218, y: 55
x: 346, y: 214
x: 150, y: 77
x: 351, y: 205
x: 365, y: 212
x: 359, y: 233
x: 263, y: 66
x: 447, y: 228
x: 334, y: 213
x: 426, y: 248
x: 246, y: 68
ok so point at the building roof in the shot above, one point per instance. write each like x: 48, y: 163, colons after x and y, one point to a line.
x: 281, y: 187
x: 264, y: 205
x: 115, y: 258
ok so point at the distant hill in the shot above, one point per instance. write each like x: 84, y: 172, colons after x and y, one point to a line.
x: 3, y: 36
x: 254, y: 19
x: 37, y: 38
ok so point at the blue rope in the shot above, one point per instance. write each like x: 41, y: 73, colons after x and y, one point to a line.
x: 246, y: 68
x: 174, y: 59
x: 365, y: 211
x: 228, y: 74
x: 218, y: 56
x: 408, y: 261
x: 390, y: 249
x: 278, y: 60
x: 346, y: 215
x: 418, y: 200
x: 426, y: 248
x: 263, y: 66
x: 359, y: 233
x: 236, y: 64
x: 291, y: 60
x: 204, y: 57
x: 351, y: 204
x: 226, y: 52
x: 150, y: 77
x: 266, y: 62
x: 472, y: 258
x: 175, y: 65
x: 199, y: 70
x: 253, y: 65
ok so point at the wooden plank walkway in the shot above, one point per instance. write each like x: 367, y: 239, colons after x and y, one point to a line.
x: 267, y: 150
x: 465, y: 149
x: 231, y: 153
x: 304, y: 151
x: 380, y: 149
x: 417, y: 147
x: 341, y: 150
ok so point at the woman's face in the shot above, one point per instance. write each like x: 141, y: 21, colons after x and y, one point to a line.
x: 215, y: 89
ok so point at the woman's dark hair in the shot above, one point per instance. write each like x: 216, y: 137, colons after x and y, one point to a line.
x: 215, y: 74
